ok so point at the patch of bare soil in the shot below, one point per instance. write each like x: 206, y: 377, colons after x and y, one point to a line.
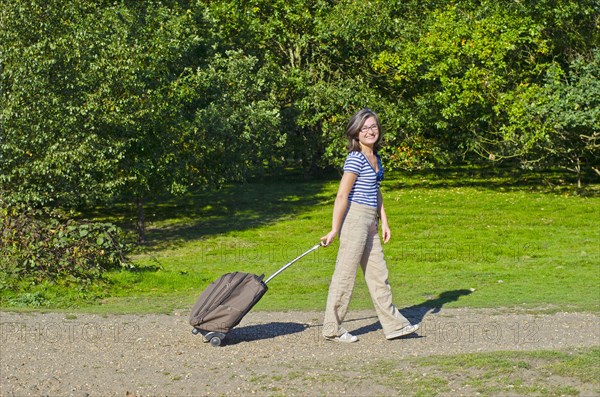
x: 267, y: 354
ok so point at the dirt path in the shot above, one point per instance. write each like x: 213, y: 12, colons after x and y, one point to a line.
x: 267, y: 354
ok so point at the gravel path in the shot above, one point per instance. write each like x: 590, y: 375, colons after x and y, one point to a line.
x: 267, y: 354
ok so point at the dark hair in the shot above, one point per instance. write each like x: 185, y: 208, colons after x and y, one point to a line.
x: 355, y: 124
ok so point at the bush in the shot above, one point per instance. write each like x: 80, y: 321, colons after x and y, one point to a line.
x: 43, y: 245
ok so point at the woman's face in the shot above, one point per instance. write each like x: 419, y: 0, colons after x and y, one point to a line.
x: 369, y: 132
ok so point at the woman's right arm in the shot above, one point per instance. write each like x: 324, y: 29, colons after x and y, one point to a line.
x: 339, y: 208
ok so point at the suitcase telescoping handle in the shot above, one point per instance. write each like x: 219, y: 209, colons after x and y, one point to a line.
x: 292, y: 262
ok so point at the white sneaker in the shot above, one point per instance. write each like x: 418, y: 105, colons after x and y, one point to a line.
x: 346, y: 337
x: 409, y: 329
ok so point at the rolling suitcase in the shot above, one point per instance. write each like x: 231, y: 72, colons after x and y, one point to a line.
x: 224, y: 303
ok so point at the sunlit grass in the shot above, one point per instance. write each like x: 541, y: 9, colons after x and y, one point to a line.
x: 511, y: 245
x: 470, y: 237
x: 519, y: 373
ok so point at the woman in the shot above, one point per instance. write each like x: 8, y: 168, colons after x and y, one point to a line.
x: 358, y: 206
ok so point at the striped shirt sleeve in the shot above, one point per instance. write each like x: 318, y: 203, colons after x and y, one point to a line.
x: 354, y: 163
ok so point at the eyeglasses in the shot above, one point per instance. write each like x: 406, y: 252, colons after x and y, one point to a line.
x: 373, y: 128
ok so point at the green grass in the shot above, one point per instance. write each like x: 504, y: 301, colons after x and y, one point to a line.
x: 536, y: 373
x: 464, y: 237
x: 503, y: 373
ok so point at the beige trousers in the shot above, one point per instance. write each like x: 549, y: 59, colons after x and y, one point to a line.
x: 360, y: 244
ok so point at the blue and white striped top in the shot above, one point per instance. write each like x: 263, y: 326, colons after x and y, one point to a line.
x: 368, y: 182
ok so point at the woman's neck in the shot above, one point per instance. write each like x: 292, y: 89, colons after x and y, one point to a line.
x: 366, y: 149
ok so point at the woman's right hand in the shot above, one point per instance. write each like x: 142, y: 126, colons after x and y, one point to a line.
x: 328, y: 238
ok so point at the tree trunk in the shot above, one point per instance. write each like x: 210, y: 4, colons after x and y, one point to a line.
x: 578, y: 173
x: 141, y: 219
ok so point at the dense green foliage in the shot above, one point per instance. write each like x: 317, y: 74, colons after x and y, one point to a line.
x: 35, y: 247
x: 104, y: 101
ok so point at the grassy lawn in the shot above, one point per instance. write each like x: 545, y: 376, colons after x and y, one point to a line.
x: 535, y: 373
x: 511, y: 373
x: 459, y: 239
x: 462, y: 237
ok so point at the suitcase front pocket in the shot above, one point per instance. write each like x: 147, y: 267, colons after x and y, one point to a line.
x: 233, y: 295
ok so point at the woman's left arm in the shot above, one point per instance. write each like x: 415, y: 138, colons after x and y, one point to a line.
x: 385, y: 228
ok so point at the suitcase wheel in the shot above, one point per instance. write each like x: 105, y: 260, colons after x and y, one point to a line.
x: 214, y: 338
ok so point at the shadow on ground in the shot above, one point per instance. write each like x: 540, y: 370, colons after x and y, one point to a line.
x: 262, y: 332
x: 243, y: 206
x: 235, y: 207
x: 501, y: 178
x: 416, y: 313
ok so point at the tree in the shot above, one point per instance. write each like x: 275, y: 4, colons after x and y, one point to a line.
x: 102, y: 101
x: 89, y: 100
x: 44, y: 150
x: 126, y: 101
x: 92, y: 101
x: 571, y: 111
x: 468, y: 74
